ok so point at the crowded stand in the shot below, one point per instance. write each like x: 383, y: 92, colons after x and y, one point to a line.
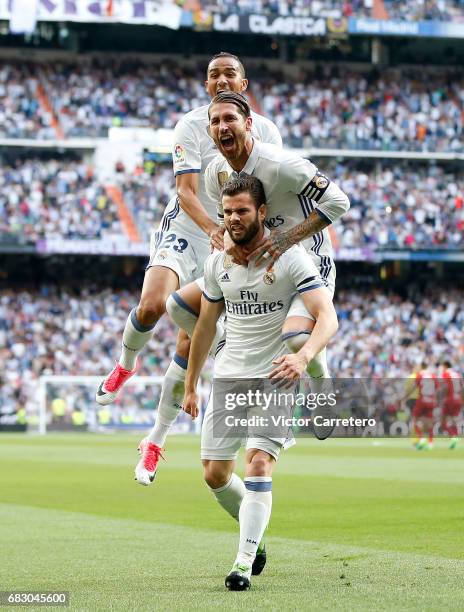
x: 21, y: 114
x: 90, y: 98
x: 327, y: 107
x: 393, y: 205
x: 146, y: 196
x: 390, y: 110
x: 432, y: 10
x: 396, y: 205
x: 384, y: 334
x: 294, y: 8
x: 401, y: 206
x: 56, y: 331
x: 54, y: 199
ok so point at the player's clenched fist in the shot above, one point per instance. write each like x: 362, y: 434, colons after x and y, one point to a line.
x: 190, y: 404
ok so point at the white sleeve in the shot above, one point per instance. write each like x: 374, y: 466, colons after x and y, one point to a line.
x: 302, y: 270
x: 213, y: 189
x: 332, y: 202
x: 296, y: 174
x: 186, y: 156
x: 271, y: 134
x: 212, y: 292
x: 266, y: 131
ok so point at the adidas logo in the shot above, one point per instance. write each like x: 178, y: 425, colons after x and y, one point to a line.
x: 224, y: 278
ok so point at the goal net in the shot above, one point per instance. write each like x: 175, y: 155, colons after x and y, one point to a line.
x: 67, y: 403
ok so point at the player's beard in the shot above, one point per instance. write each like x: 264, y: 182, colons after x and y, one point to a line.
x: 249, y: 234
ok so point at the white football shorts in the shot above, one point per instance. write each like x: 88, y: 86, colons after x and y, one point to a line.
x: 215, y: 446
x: 176, y: 246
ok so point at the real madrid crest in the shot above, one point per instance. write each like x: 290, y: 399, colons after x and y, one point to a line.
x: 269, y: 277
x: 322, y: 182
x: 227, y: 262
x: 223, y: 177
x: 161, y: 255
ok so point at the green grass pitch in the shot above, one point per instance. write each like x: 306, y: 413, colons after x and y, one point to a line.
x: 356, y: 525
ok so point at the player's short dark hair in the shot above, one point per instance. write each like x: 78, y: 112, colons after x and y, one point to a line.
x: 245, y: 183
x: 231, y: 97
x: 447, y: 363
x: 223, y: 54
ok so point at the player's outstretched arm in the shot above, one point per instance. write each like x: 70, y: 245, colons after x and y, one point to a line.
x: 318, y: 302
x: 202, y: 339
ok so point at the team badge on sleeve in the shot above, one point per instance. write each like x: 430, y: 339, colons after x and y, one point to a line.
x: 179, y: 154
x: 321, y: 181
x: 316, y: 188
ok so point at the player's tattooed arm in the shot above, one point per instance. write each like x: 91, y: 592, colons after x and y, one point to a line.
x: 272, y: 247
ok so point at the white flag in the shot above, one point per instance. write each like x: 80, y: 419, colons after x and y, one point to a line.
x: 165, y: 14
x: 23, y: 17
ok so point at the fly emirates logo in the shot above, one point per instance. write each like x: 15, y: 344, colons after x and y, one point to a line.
x: 251, y: 305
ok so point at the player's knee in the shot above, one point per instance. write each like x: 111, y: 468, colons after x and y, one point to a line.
x: 294, y: 340
x: 215, y: 474
x: 181, y: 313
x: 150, y: 309
x: 260, y: 463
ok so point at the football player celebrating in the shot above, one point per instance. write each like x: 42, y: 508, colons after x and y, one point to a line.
x: 256, y: 301
x: 178, y: 251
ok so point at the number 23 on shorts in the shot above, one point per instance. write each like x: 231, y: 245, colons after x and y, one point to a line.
x: 178, y: 244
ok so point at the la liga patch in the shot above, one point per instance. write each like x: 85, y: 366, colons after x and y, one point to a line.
x: 179, y: 154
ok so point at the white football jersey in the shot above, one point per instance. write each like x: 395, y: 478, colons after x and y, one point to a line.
x: 294, y: 187
x: 256, y: 303
x: 194, y: 149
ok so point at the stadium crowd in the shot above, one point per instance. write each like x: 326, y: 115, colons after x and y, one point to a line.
x: 327, y: 107
x: 147, y: 195
x: 21, y: 114
x: 54, y: 199
x: 58, y: 331
x: 396, y: 205
x: 436, y: 10
x: 89, y: 98
x: 391, y: 110
x: 401, y: 206
x: 431, y: 10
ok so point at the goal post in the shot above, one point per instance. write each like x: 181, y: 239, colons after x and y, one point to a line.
x: 67, y: 403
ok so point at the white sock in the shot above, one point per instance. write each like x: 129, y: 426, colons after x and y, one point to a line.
x: 230, y: 496
x: 134, y: 338
x: 255, y: 511
x: 318, y: 368
x: 172, y: 393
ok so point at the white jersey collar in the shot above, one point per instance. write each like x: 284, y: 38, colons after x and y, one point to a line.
x: 251, y: 161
